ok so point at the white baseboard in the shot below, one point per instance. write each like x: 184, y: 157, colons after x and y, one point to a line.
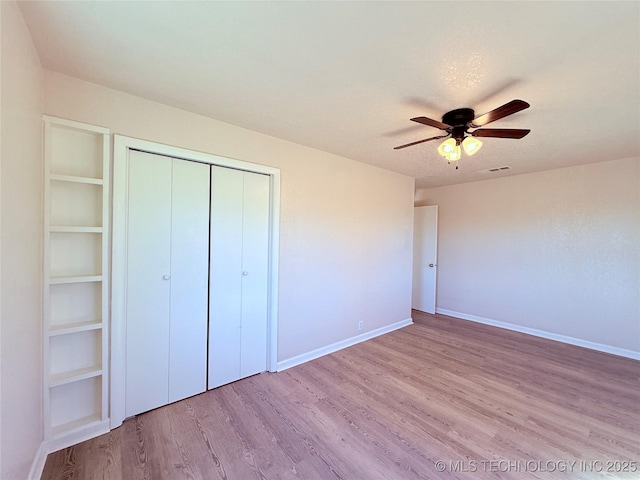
x: 55, y: 444
x: 621, y: 352
x: 334, y: 347
x: 37, y: 466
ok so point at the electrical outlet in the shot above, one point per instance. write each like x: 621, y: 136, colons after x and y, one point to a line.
x: 360, y: 325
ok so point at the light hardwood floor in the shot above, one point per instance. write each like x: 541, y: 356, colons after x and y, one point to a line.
x: 443, y: 398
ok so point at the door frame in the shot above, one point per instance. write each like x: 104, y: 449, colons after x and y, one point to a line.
x: 122, y: 145
x: 419, y: 263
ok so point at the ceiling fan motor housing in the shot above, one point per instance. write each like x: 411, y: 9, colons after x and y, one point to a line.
x: 459, y: 117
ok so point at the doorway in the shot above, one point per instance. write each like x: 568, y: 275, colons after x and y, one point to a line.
x: 425, y: 255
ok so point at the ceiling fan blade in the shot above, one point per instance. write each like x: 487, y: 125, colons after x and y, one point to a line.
x: 505, y: 110
x: 500, y: 132
x: 431, y: 123
x: 419, y: 141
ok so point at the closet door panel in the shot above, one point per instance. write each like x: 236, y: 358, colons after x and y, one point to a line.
x: 225, y: 276
x: 189, y: 279
x: 147, y: 303
x: 255, y: 252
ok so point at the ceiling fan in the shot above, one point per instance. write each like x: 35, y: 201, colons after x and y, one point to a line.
x: 458, y: 122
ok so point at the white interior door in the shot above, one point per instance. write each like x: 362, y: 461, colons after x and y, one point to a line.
x: 148, y: 293
x: 238, y: 277
x: 425, y: 255
x: 189, y: 279
x: 255, y: 271
x: 225, y: 276
x: 166, y: 281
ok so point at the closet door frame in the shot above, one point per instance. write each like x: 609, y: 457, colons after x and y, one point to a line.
x: 121, y: 148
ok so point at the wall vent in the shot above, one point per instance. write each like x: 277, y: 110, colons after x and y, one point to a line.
x: 494, y: 170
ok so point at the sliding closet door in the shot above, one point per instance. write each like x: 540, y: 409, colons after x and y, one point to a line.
x: 167, y: 277
x: 238, y: 275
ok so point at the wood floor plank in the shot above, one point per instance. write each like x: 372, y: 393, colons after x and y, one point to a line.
x: 487, y: 403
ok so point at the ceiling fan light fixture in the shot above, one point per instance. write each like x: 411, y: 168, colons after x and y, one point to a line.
x: 471, y: 145
x: 455, y: 155
x: 447, y: 147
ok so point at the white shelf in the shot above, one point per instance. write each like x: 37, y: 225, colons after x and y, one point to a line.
x: 70, y: 229
x: 75, y: 274
x: 75, y: 179
x: 75, y: 279
x: 74, y: 376
x: 75, y: 328
x: 76, y: 426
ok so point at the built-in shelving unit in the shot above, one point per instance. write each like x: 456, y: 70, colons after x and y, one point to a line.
x: 76, y: 288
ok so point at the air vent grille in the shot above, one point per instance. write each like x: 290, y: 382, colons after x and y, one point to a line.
x: 494, y: 170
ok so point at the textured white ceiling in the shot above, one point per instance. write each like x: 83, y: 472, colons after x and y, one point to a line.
x: 345, y: 77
